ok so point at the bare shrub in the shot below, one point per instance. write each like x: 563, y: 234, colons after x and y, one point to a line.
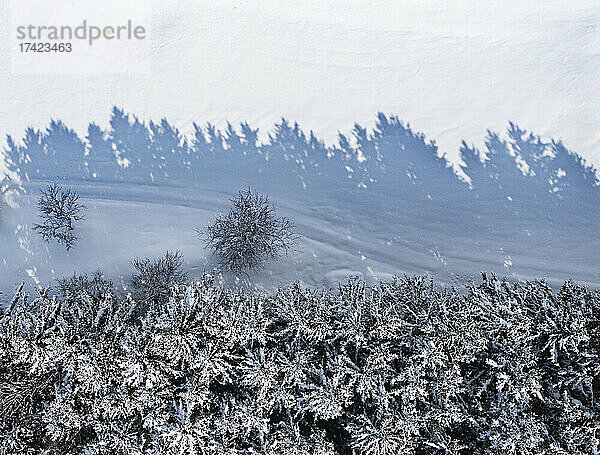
x: 77, y: 285
x: 153, y: 280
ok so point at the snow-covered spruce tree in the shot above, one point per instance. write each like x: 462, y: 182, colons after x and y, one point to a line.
x: 154, y: 280
x: 249, y: 234
x: 59, y: 210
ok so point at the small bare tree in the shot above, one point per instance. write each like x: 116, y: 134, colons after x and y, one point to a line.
x: 249, y: 234
x: 75, y: 286
x: 154, y: 280
x: 60, y: 210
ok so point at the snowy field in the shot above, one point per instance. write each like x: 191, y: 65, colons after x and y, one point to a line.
x: 125, y: 221
x: 388, y: 205
x: 453, y: 69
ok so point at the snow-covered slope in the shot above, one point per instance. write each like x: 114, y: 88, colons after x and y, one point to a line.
x: 385, y: 205
x: 453, y: 69
x: 127, y: 221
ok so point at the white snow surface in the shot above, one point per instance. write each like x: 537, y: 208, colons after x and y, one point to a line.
x: 452, y: 69
x: 124, y: 221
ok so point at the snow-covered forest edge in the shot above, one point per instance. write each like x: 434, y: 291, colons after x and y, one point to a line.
x: 401, y: 368
x: 377, y: 203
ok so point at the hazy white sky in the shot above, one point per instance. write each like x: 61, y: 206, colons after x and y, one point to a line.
x: 452, y: 69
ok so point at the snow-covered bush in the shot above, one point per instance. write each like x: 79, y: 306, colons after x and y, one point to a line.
x: 154, y: 280
x: 401, y: 368
x: 59, y: 210
x: 249, y: 234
